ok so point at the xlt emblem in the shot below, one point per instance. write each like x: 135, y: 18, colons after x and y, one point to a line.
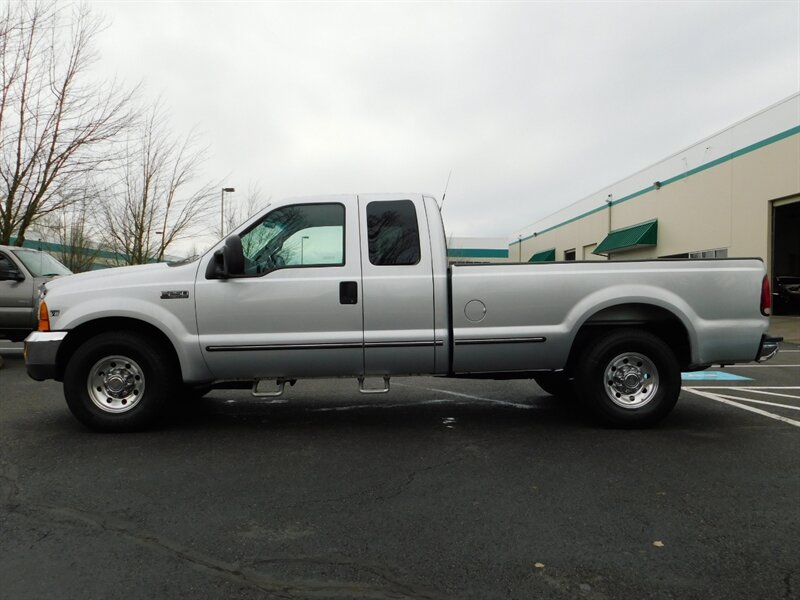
x: 174, y: 294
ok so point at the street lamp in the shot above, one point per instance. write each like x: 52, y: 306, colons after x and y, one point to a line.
x: 222, y: 209
x: 302, y: 241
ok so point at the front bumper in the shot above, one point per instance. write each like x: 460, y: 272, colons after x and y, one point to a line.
x: 41, y: 348
x: 768, y: 347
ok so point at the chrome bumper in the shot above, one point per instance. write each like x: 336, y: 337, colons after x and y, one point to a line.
x: 41, y: 348
x: 768, y: 348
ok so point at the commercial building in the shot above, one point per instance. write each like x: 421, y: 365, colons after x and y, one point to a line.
x: 736, y: 193
x: 476, y: 250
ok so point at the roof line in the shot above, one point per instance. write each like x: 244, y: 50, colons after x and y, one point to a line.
x: 723, y: 159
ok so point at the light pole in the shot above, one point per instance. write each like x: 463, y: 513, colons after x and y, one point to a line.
x: 222, y: 209
x: 302, y: 241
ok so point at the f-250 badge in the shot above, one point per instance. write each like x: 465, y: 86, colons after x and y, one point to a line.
x: 174, y: 294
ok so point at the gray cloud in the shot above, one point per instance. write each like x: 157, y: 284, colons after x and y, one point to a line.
x: 532, y: 106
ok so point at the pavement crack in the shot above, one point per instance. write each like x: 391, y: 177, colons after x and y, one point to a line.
x: 9, y: 486
x: 787, y: 581
x: 372, y: 492
x: 235, y: 572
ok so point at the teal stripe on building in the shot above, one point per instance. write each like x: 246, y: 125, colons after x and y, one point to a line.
x: 477, y: 252
x: 723, y: 159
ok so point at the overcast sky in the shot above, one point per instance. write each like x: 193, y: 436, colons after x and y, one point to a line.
x: 532, y: 105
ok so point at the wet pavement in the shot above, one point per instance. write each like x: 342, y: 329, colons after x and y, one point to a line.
x: 441, y: 489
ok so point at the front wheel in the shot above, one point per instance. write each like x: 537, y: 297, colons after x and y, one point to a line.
x: 629, y: 378
x: 119, y: 381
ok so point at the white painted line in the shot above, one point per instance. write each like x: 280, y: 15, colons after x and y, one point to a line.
x: 745, y: 387
x: 759, y: 366
x: 753, y: 409
x: 789, y: 406
x: 775, y: 394
x: 469, y: 396
x: 379, y: 405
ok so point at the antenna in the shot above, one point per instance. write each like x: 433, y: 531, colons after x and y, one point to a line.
x: 441, y: 208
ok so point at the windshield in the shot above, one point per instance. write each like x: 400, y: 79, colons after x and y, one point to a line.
x: 41, y: 264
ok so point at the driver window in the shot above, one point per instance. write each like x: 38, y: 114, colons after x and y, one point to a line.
x: 301, y: 235
x: 5, y: 263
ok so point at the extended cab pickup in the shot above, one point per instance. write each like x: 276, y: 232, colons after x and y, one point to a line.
x: 359, y: 286
x: 22, y: 272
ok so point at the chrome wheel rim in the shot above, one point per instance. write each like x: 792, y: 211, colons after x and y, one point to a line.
x: 115, y: 384
x: 631, y: 380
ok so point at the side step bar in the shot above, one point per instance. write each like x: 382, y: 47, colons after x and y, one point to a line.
x: 281, y: 386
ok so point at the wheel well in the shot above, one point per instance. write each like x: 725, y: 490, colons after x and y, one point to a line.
x: 647, y: 317
x: 87, y: 330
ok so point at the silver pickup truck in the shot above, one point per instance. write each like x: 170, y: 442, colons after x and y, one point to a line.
x: 359, y: 286
x: 22, y: 272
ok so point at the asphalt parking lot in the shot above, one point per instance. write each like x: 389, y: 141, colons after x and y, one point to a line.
x: 442, y: 489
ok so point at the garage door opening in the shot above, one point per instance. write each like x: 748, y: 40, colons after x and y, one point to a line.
x: 786, y: 257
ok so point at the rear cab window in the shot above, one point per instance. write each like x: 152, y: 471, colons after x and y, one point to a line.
x: 393, y: 233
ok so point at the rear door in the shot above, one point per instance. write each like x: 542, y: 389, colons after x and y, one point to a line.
x: 397, y: 275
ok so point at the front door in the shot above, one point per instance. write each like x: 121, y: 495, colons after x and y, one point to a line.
x: 16, y: 298
x: 297, y: 311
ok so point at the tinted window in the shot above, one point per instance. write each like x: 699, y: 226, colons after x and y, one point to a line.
x: 393, y: 233
x: 307, y: 235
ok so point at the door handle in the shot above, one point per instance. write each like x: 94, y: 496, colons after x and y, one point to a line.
x: 348, y: 292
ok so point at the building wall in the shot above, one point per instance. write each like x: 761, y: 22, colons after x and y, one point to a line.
x: 476, y: 250
x: 716, y: 194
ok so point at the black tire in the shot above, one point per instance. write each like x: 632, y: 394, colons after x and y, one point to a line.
x: 628, y: 378
x: 556, y: 384
x: 120, y: 381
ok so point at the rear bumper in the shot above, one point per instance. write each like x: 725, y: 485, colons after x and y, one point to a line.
x: 41, y: 348
x: 768, y: 347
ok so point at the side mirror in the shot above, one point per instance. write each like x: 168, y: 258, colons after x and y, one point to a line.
x: 11, y: 275
x: 228, y: 261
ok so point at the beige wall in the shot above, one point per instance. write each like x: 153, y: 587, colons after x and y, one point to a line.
x: 725, y: 206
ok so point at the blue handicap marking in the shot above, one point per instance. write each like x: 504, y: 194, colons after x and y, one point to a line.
x: 713, y: 376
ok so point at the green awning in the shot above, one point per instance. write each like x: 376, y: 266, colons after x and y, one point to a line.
x: 628, y: 238
x: 544, y: 256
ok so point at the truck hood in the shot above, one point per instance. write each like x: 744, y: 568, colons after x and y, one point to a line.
x: 122, y: 277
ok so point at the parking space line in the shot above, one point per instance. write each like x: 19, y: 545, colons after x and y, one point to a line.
x: 789, y: 406
x: 752, y: 409
x: 774, y: 394
x: 759, y: 366
x: 469, y: 396
x: 745, y: 387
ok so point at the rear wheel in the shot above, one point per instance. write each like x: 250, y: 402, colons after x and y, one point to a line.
x: 629, y: 378
x: 119, y: 381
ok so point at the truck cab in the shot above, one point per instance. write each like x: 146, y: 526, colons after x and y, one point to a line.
x: 336, y: 286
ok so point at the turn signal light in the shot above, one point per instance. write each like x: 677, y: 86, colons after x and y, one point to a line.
x: 44, y: 317
x: 766, y: 297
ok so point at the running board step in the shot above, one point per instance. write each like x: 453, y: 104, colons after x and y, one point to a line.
x: 364, y: 390
x: 280, y: 383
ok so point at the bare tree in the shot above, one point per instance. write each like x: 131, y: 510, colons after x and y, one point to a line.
x: 56, y: 124
x: 156, y: 202
x: 73, y: 229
